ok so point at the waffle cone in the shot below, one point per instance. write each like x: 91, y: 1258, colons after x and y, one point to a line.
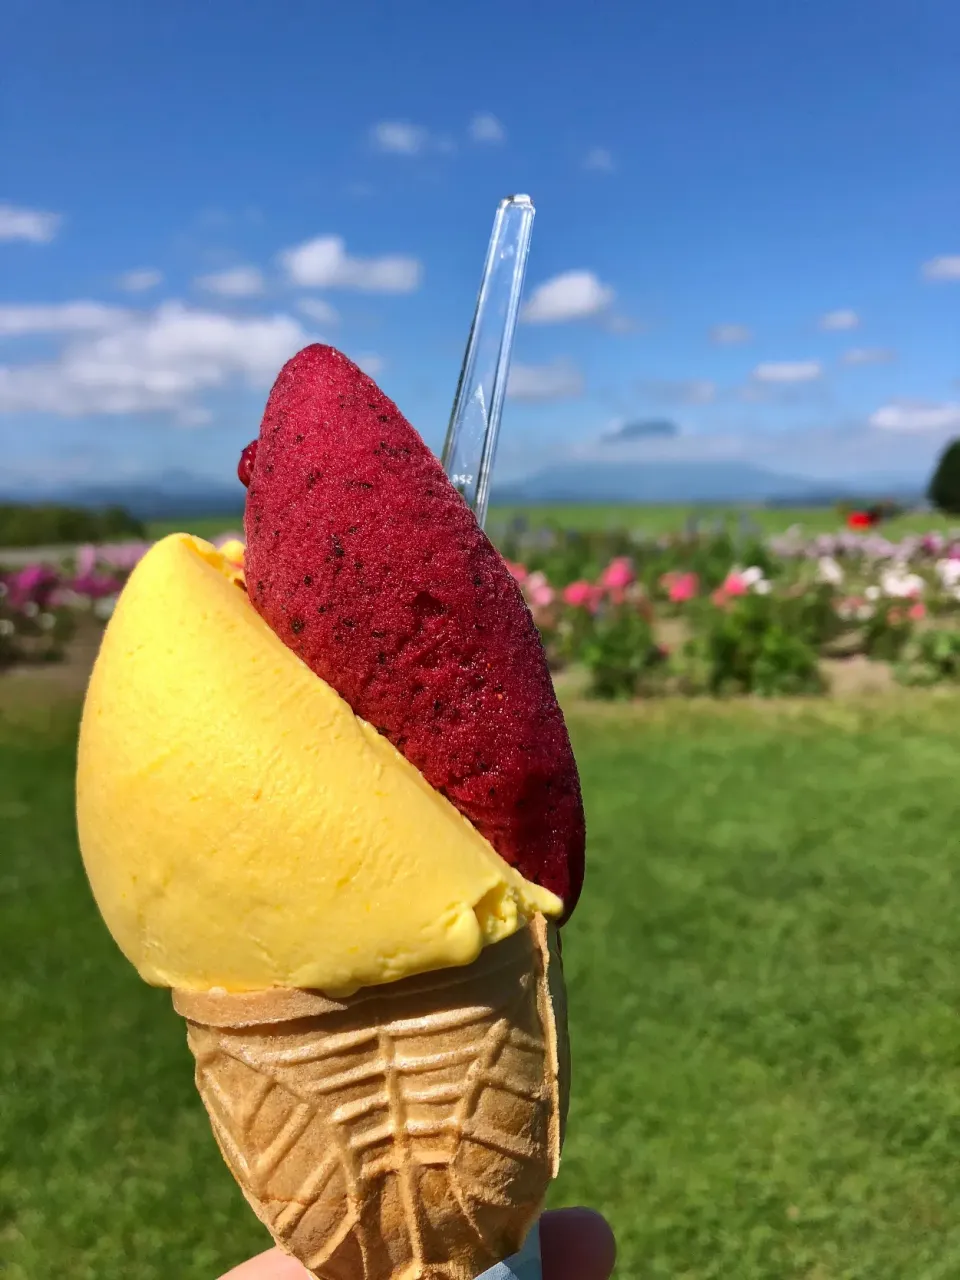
x: 408, y: 1132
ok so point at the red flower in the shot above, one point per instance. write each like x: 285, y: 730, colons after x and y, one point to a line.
x: 861, y: 520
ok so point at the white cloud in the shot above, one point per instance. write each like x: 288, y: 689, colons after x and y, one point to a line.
x: 678, y: 391
x: 235, y: 282
x: 485, y: 127
x: 915, y: 415
x: 943, y: 268
x: 140, y: 279
x: 837, y: 321
x: 155, y: 361
x: 869, y: 355
x: 324, y: 263
x: 319, y: 309
x: 369, y: 362
x: 399, y: 137
x: 62, y: 317
x: 574, y: 295
x: 536, y: 382
x: 599, y: 160
x: 34, y: 225
x: 728, y: 335
x: 788, y: 371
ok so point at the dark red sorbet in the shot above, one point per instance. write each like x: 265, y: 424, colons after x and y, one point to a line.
x: 365, y: 561
x: 245, y: 465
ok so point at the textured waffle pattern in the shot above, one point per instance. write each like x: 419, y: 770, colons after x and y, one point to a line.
x: 407, y: 1132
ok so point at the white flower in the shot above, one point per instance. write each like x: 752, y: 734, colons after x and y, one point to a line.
x: 864, y: 611
x: 872, y: 593
x: 948, y: 571
x: 47, y: 621
x: 6, y: 627
x: 105, y: 607
x: 901, y: 585
x: 31, y: 608
x: 752, y: 576
x: 829, y: 571
x: 762, y: 587
x: 3, y: 590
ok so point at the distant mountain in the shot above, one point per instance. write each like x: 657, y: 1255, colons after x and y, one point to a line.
x: 675, y: 482
x: 176, y: 495
x: 172, y: 495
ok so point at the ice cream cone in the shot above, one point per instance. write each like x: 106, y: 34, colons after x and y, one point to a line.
x: 407, y: 1132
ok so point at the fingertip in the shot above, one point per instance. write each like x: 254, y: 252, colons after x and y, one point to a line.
x: 576, y: 1244
x: 273, y: 1264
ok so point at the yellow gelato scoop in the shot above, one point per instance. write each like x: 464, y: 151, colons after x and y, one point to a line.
x: 242, y: 828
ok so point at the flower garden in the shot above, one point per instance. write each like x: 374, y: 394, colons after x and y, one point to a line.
x: 703, y: 612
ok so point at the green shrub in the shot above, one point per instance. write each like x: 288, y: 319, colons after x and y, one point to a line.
x: 887, y: 632
x: 51, y: 524
x: 621, y: 655
x: 931, y: 657
x: 753, y: 645
x: 944, y: 489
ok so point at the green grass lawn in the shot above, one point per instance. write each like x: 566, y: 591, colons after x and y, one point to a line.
x: 654, y: 520
x: 764, y: 983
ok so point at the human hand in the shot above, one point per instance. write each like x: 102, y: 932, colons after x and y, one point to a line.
x: 575, y: 1244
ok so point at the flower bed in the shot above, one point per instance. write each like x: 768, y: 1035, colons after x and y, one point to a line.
x: 701, y: 612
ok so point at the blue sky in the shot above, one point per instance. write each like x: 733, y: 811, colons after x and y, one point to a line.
x: 747, y: 223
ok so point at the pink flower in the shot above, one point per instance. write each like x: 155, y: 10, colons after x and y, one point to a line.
x: 580, y: 594
x: 86, y: 560
x: 734, y: 585
x: 539, y: 591
x: 683, y: 587
x: 917, y: 611
x: 517, y: 571
x: 618, y: 574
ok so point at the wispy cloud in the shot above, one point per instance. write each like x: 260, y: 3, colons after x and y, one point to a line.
x: 728, y: 335
x: 574, y: 295
x: 946, y: 267
x: 917, y: 415
x: 319, y: 309
x: 839, y: 321
x: 869, y: 355
x: 626, y: 431
x: 399, y: 137
x: 788, y: 371
x: 599, y: 160
x: 324, y: 263
x: 370, y: 363
x: 235, y: 282
x: 485, y: 127
x: 560, y: 380
x: 140, y: 279
x: 147, y: 362
x: 678, y: 391
x: 36, y: 226
x: 61, y: 317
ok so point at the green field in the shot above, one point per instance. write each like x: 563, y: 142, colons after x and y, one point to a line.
x: 764, y: 984
x: 653, y: 520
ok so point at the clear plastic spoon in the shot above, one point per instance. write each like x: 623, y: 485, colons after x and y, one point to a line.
x: 470, y: 447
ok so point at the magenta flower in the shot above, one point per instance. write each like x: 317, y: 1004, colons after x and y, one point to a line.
x: 618, y: 574
x: 735, y: 585
x: 581, y: 595
x: 683, y: 587
x: 96, y: 586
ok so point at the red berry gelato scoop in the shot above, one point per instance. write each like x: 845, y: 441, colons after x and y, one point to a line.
x: 363, y: 558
